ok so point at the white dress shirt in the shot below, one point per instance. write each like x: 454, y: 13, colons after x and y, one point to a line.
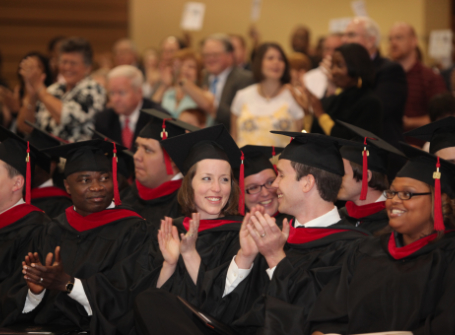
x: 235, y: 275
x: 47, y: 183
x: 133, y: 118
x: 222, y: 77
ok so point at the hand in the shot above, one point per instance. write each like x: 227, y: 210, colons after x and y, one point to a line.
x: 29, y: 259
x: 49, y: 276
x: 248, y: 248
x: 169, y: 242
x: 300, y: 96
x: 10, y: 99
x: 269, y: 239
x: 166, y: 76
x: 326, y: 66
x: 188, y: 243
x: 315, y: 104
x: 32, y: 74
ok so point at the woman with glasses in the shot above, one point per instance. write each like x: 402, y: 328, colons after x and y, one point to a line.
x: 402, y: 281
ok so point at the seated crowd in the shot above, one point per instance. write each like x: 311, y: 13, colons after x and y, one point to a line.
x: 206, y: 193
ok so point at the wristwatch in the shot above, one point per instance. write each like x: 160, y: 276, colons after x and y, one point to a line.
x: 69, y: 286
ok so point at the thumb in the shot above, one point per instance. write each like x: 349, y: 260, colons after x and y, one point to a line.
x: 286, y: 228
x: 49, y: 259
x: 57, y: 256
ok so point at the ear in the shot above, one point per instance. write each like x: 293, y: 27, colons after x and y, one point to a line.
x: 67, y: 186
x: 18, y: 183
x: 307, y: 183
x: 370, y: 175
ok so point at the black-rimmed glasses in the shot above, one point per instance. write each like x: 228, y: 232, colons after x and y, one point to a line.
x: 402, y: 195
x: 257, y: 188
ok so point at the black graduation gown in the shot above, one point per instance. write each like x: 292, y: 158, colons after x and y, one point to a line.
x: 21, y: 232
x: 385, y: 288
x: 374, y: 221
x: 90, y: 255
x: 257, y: 296
x: 154, y: 210
x: 52, y: 200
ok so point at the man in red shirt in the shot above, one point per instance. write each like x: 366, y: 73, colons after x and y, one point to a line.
x: 423, y: 82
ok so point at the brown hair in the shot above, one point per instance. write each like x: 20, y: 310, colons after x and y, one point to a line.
x: 185, y: 196
x: 188, y: 53
x: 198, y: 113
x: 328, y: 184
x: 299, y: 61
x: 12, y: 171
x: 259, y: 57
x: 378, y: 180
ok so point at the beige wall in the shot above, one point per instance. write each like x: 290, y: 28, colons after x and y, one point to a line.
x: 152, y: 20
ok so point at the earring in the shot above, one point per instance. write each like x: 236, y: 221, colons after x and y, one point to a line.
x: 359, y: 82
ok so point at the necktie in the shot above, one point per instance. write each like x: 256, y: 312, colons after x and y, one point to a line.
x: 127, y: 134
x: 213, y: 85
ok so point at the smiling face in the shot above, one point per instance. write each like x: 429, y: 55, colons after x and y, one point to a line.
x: 72, y: 68
x: 212, y: 187
x: 339, y: 70
x: 273, y: 64
x: 410, y: 217
x: 215, y: 57
x: 149, y: 165
x: 289, y: 190
x: 123, y: 96
x: 188, y: 70
x: 267, y: 198
x: 91, y: 191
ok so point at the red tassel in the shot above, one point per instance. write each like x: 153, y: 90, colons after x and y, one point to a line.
x: 28, y: 177
x: 438, y: 218
x: 242, y: 186
x: 273, y: 156
x: 364, y: 191
x: 117, y: 200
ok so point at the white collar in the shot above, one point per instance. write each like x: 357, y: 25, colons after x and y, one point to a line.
x: 112, y: 205
x: 328, y: 219
x: 177, y: 176
x: 47, y: 183
x: 133, y: 117
x: 20, y: 202
x: 381, y: 198
x: 222, y: 76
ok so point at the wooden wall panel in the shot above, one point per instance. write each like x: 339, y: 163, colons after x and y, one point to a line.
x: 28, y: 25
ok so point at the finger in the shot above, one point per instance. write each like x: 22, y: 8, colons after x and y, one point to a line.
x: 38, y: 268
x: 264, y: 221
x: 36, y: 257
x: 175, y: 233
x: 254, y: 234
x: 257, y: 226
x: 245, y: 221
x: 57, y: 256
x: 286, y: 228
x: 32, y: 271
x: 49, y: 258
x: 271, y: 222
x: 35, y: 278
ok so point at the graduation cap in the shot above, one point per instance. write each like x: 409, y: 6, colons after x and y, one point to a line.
x: 125, y: 157
x: 316, y: 150
x: 208, y: 143
x: 440, y: 134
x: 431, y: 170
x: 41, y: 139
x: 163, y: 126
x: 22, y: 156
x: 374, y: 155
x: 257, y: 158
x: 89, y: 156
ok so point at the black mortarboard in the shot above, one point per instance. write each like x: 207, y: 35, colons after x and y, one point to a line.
x: 433, y: 171
x: 160, y: 120
x: 257, y: 158
x: 41, y: 139
x: 208, y: 143
x: 440, y: 134
x: 316, y: 150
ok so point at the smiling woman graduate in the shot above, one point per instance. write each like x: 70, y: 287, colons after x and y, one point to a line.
x: 402, y: 281
x: 209, y: 231
x: 91, y: 238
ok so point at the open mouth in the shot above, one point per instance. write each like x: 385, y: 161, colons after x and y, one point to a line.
x: 394, y: 212
x: 266, y: 203
x: 214, y: 200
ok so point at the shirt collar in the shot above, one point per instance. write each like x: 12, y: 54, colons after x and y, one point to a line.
x: 222, y: 76
x: 133, y: 117
x: 20, y: 202
x: 47, y: 183
x: 328, y: 219
x: 178, y: 176
x: 381, y: 198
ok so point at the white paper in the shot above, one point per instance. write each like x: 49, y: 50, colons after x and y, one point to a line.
x: 359, y: 7
x: 255, y: 10
x: 193, y: 16
x: 339, y: 25
x: 440, y: 45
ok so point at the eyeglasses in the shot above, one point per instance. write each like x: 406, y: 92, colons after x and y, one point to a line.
x: 257, y: 188
x: 402, y: 195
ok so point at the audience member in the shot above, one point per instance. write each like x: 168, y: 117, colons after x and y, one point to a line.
x: 240, y: 51
x: 319, y: 81
x: 300, y: 42
x: 150, y: 61
x: 181, y: 91
x: 169, y: 47
x: 423, y: 83
x: 194, y: 116
x: 125, y: 53
x: 223, y: 79
x: 390, y: 81
x: 65, y: 110
x: 53, y: 50
x: 123, y: 121
x: 299, y: 65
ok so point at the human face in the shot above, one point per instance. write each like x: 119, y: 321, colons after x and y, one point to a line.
x: 91, y: 191
x: 355, y: 33
x: 123, y: 96
x: 299, y: 40
x: 339, y: 70
x: 168, y: 49
x: 124, y: 55
x: 215, y: 57
x: 296, y: 76
x: 410, y: 217
x: 330, y: 44
x: 350, y: 188
x: 289, y: 191
x: 212, y: 187
x: 8, y: 187
x: 188, y: 70
x: 267, y: 198
x: 72, y: 68
x: 149, y: 165
x: 401, y: 42
x: 447, y: 153
x: 273, y: 64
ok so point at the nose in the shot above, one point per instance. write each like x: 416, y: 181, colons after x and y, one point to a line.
x: 96, y: 185
x: 138, y: 155
x: 276, y: 182
x: 264, y: 192
x: 216, y: 186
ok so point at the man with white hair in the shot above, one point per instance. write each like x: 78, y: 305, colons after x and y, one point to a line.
x: 124, y: 120
x: 390, y: 83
